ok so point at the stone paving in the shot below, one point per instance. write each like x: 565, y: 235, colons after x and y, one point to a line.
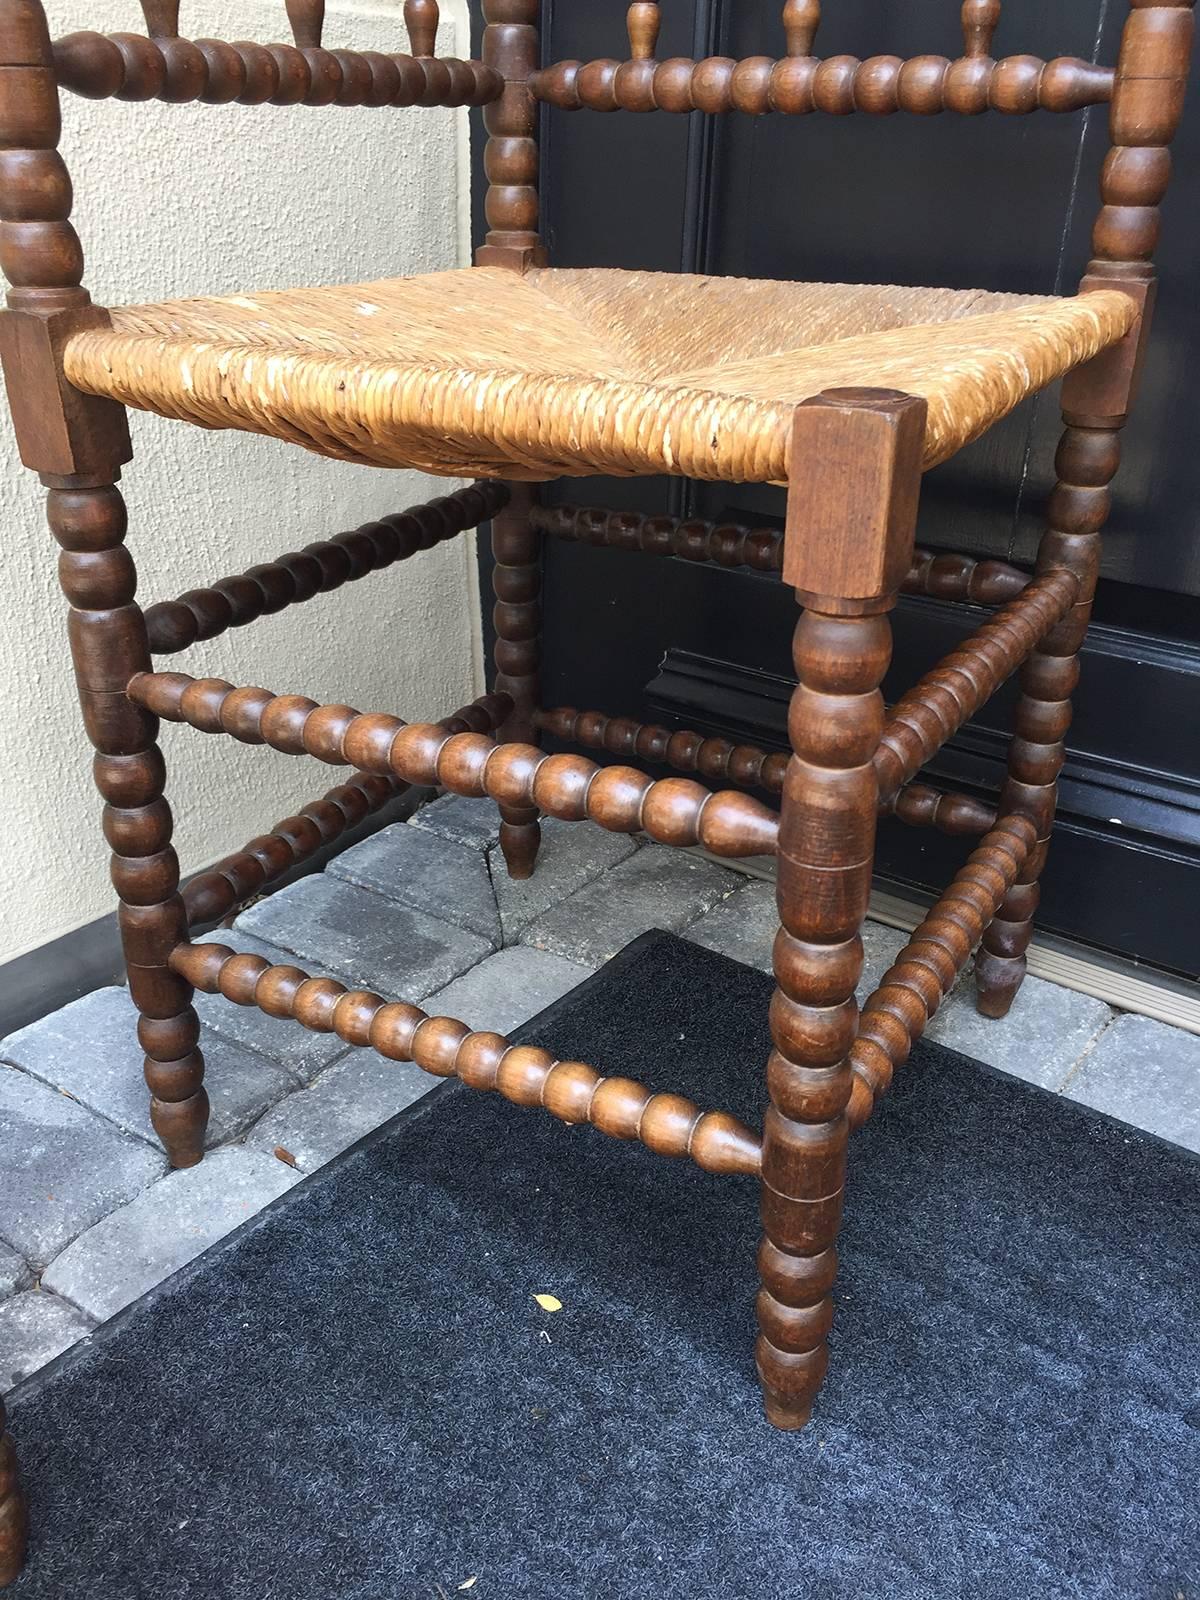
x: 90, y: 1216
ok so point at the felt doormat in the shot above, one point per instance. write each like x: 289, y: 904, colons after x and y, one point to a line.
x: 358, y: 1396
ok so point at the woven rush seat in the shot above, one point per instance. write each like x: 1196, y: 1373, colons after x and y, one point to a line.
x: 488, y: 372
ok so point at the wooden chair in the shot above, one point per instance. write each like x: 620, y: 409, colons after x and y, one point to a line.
x: 514, y: 373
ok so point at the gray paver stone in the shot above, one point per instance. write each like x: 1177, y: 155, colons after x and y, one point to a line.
x: 1040, y: 1040
x: 342, y: 931
x: 62, y: 1167
x: 571, y: 854
x: 507, y: 989
x: 466, y: 821
x: 304, y: 1053
x: 421, y: 869
x: 1147, y: 1073
x: 348, y: 1101
x: 124, y: 1256
x: 14, y: 1273
x: 90, y: 1049
x: 657, y: 887
x: 34, y: 1328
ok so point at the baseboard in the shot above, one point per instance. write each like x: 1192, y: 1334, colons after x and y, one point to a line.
x: 42, y: 980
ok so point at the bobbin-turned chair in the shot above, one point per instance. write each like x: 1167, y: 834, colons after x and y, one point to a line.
x: 514, y: 373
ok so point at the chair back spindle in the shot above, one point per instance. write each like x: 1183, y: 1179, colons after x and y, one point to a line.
x: 162, y: 18
x: 801, y: 19
x: 510, y: 48
x: 421, y: 20
x: 307, y: 19
x: 980, y: 19
x: 643, y: 23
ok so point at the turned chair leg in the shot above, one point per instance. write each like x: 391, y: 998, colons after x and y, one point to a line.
x: 826, y: 852
x: 1086, y: 463
x: 852, y: 508
x: 108, y: 644
x: 517, y: 580
x: 14, y: 1513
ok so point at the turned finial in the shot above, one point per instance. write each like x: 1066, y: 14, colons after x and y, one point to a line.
x: 980, y: 19
x: 801, y: 19
x: 162, y: 18
x: 643, y: 21
x: 421, y: 20
x: 307, y: 18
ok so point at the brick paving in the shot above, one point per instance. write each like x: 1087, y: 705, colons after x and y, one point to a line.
x: 90, y: 1216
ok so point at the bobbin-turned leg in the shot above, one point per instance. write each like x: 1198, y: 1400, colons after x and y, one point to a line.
x: 77, y: 443
x: 517, y: 579
x: 14, y: 1512
x: 108, y: 644
x: 1086, y: 463
x: 826, y: 849
x: 856, y: 467
x: 1146, y: 106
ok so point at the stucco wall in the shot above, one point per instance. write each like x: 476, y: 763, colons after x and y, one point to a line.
x: 175, y: 200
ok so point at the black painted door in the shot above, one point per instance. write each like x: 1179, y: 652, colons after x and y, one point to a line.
x: 995, y: 202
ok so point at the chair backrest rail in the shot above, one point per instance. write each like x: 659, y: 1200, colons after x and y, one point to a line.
x: 131, y: 66
x: 837, y: 86
x: 801, y: 83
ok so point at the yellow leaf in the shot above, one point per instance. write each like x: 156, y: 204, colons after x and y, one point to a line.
x: 548, y: 1302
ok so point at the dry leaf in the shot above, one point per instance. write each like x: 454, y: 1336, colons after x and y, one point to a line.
x: 548, y: 1302
x: 470, y: 1583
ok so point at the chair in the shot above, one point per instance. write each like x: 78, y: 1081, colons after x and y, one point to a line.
x: 514, y: 374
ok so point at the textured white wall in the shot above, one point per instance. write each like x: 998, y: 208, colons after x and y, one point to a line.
x: 174, y: 200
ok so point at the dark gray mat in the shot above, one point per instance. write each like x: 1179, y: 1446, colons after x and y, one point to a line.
x: 357, y: 1396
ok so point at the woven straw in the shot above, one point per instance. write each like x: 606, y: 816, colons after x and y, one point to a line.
x: 486, y: 373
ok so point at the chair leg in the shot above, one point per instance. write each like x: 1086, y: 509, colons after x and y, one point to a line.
x: 14, y: 1513
x: 108, y: 644
x: 517, y: 579
x: 1086, y: 464
x: 826, y: 853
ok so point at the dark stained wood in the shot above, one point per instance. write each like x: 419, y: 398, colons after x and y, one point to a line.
x: 947, y: 577
x: 80, y: 457
x: 920, y: 723
x: 570, y: 1090
x: 109, y: 644
x: 1147, y: 105
x: 213, y: 894
x: 14, y: 1510
x: 421, y: 20
x: 517, y: 618
x: 924, y: 972
x: 510, y: 48
x: 824, y: 858
x: 718, y: 760
x: 162, y: 18
x: 848, y: 551
x: 800, y: 84
x: 318, y: 568
x: 165, y: 67
x: 307, y: 19
x: 870, y: 444
x: 621, y: 799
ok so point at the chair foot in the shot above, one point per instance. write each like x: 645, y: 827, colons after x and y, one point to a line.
x: 14, y: 1511
x: 997, y: 982
x: 181, y: 1125
x: 787, y: 1418
x: 520, y: 838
